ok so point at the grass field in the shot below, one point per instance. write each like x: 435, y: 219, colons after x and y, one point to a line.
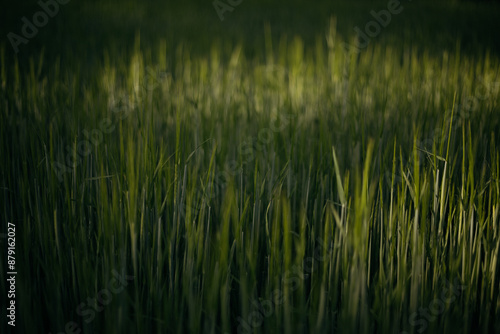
x: 169, y: 172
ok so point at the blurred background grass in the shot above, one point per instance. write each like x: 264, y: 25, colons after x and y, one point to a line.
x: 83, y: 29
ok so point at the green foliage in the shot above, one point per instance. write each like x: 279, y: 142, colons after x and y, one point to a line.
x: 213, y: 185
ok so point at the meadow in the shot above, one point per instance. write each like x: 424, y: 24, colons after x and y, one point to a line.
x: 170, y: 172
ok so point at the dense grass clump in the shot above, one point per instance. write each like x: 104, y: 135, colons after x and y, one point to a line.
x: 300, y: 190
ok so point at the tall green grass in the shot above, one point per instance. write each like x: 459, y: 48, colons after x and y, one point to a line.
x: 340, y: 190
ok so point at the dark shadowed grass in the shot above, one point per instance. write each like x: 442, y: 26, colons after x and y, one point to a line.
x: 308, y: 190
